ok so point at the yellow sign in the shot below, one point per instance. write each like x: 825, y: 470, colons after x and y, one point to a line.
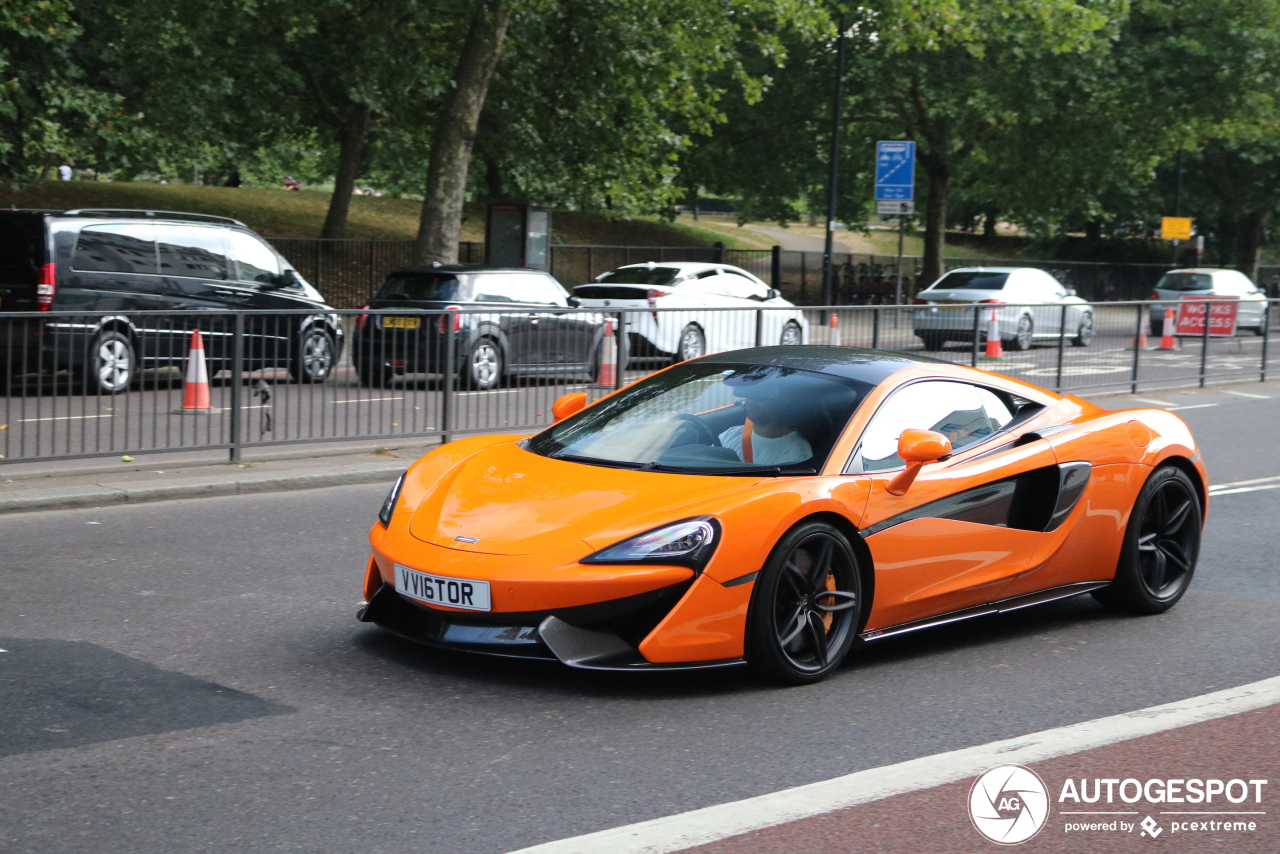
x: 1175, y: 227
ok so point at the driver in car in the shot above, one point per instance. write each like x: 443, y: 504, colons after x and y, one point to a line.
x: 765, y: 438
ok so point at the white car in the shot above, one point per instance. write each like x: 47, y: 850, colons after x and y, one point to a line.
x: 1204, y: 282
x: 693, y: 285
x: 1029, y: 304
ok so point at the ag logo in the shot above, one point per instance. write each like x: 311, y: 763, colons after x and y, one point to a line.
x: 1009, y: 804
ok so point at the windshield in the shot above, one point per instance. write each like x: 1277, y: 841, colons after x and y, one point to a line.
x: 1185, y: 282
x: 639, y: 276
x: 704, y: 418
x: 428, y: 287
x: 972, y: 281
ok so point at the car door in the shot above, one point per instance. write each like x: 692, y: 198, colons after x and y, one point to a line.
x: 748, y: 293
x: 707, y: 288
x: 566, y: 337
x: 193, y: 259
x: 258, y: 284
x: 968, y: 523
x: 513, y: 316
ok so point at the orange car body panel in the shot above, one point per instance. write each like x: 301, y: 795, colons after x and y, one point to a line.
x: 533, y: 519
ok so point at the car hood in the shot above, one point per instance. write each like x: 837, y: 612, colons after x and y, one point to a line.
x: 512, y: 502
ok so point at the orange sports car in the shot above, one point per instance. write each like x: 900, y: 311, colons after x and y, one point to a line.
x: 775, y: 506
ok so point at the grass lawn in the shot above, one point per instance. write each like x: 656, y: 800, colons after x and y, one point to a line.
x: 281, y: 213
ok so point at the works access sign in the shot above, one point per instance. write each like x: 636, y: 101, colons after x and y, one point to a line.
x: 1223, y: 312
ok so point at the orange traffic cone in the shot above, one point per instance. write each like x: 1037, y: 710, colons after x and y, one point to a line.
x: 1167, y: 341
x: 995, y: 350
x: 607, y: 371
x: 1140, y: 340
x: 195, y: 391
x: 833, y: 333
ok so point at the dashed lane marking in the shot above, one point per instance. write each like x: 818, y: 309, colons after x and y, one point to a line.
x: 1192, y: 406
x: 698, y: 827
x: 1248, y: 394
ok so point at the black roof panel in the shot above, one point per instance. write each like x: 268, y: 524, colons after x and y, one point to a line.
x: 857, y: 363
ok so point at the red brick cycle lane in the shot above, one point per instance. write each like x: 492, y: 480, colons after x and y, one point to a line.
x: 1243, y: 747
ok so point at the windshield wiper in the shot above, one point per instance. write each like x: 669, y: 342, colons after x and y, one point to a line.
x: 767, y: 471
x: 594, y: 461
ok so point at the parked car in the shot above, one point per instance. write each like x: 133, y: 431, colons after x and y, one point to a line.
x: 1204, y: 282
x: 1031, y: 303
x: 693, y: 285
x: 531, y: 332
x: 126, y: 261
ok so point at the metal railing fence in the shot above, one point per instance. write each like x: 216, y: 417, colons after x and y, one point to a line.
x: 90, y: 384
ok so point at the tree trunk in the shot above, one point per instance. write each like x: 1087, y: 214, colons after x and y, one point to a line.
x: 1093, y: 230
x: 1249, y: 241
x: 493, y: 179
x: 455, y: 133
x: 935, y: 223
x: 353, y: 138
x: 989, y: 225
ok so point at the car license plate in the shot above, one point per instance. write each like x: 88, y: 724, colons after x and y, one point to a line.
x: 435, y: 590
x: 401, y: 322
x: 952, y: 305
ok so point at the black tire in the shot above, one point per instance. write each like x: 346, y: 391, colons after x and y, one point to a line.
x: 793, y: 635
x: 1084, y: 332
x: 791, y: 334
x: 1025, y: 334
x: 483, y: 368
x: 1161, y: 545
x: 314, y: 358
x: 933, y: 340
x: 110, y: 364
x: 373, y: 376
x: 691, y: 344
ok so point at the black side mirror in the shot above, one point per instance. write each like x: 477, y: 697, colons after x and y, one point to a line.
x: 574, y: 302
x: 773, y: 293
x: 287, y: 279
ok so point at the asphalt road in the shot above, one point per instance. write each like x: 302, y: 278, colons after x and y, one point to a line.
x: 189, y: 676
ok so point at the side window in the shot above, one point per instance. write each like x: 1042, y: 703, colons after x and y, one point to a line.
x: 496, y: 288
x: 255, y: 260
x: 542, y: 290
x: 191, y: 251
x: 123, y: 248
x: 706, y: 282
x: 1231, y: 285
x: 742, y: 287
x: 957, y: 410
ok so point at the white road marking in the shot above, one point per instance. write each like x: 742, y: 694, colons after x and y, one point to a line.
x: 698, y: 827
x: 1247, y: 394
x: 64, y: 418
x: 1152, y: 400
x: 1245, y: 489
x: 1192, y: 406
x: 365, y: 399
x: 1215, y: 486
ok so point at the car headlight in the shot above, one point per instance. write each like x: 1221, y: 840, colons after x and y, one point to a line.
x: 389, y: 506
x: 689, y: 542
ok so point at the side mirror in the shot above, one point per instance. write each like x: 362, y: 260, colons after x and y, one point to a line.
x: 287, y: 279
x: 574, y: 302
x: 1071, y: 292
x: 773, y: 293
x: 917, y: 447
x: 568, y: 404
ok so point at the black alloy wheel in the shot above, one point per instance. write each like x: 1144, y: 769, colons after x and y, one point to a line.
x: 806, y: 607
x: 1084, y: 333
x: 1161, y: 546
x: 315, y: 357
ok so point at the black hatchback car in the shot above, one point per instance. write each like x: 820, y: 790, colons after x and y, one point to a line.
x: 532, y: 330
x: 130, y: 261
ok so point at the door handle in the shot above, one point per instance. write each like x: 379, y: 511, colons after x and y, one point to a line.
x: 239, y: 294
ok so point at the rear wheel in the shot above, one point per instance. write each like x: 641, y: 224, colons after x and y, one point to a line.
x: 791, y: 334
x: 693, y: 343
x: 1025, y: 334
x: 1160, y: 548
x: 933, y: 340
x: 483, y: 369
x: 806, y: 607
x: 1084, y: 332
x: 110, y: 365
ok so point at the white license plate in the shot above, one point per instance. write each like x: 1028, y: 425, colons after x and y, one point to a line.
x: 436, y: 590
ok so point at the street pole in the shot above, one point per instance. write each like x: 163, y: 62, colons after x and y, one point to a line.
x: 828, y: 296
x: 1177, y: 201
x: 897, y: 291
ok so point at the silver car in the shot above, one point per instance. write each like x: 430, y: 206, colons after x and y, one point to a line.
x: 1203, y: 281
x: 1029, y: 304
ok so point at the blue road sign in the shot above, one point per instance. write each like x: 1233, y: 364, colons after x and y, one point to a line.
x: 895, y: 171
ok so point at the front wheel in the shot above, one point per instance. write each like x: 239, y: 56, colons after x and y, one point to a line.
x: 315, y: 357
x: 806, y: 607
x: 483, y: 369
x: 1160, y: 548
x: 1084, y: 333
x: 110, y: 366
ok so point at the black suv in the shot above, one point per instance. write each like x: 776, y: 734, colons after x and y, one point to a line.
x: 127, y: 261
x: 533, y: 330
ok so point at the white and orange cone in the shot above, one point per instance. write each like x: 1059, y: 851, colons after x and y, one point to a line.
x: 833, y: 330
x: 1140, y: 340
x: 607, y: 372
x: 1167, y: 341
x: 195, y: 390
x: 995, y: 350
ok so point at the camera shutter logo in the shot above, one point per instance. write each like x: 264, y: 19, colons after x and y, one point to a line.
x: 1009, y: 804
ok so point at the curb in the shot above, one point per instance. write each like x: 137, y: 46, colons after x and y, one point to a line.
x: 141, y: 491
